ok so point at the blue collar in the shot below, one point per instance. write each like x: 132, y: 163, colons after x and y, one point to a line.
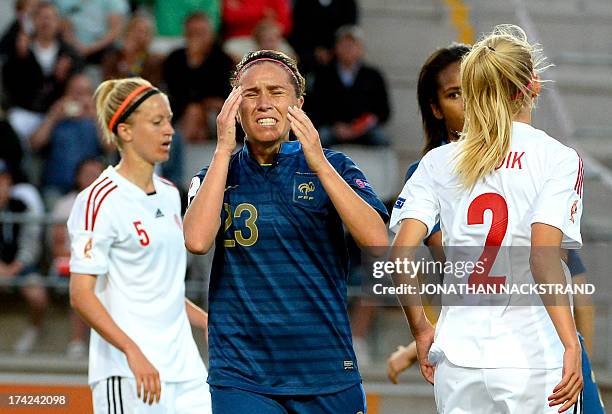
x: 287, y: 148
x: 290, y: 147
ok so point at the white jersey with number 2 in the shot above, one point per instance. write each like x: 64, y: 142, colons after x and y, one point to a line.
x: 539, y: 181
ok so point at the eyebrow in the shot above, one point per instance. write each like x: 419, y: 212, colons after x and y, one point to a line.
x: 452, y: 89
x: 271, y: 87
x: 158, y: 115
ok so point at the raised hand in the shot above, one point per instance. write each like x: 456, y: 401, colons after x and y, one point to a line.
x: 308, y: 136
x: 226, y: 121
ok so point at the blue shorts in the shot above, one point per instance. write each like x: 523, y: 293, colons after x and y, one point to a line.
x: 234, y: 400
x: 592, y: 401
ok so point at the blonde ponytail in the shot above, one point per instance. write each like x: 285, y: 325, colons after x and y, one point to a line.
x: 109, y: 96
x: 497, y: 79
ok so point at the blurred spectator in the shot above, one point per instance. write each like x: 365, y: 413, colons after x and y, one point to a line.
x: 197, y: 78
x: 35, y: 75
x: 268, y: 36
x: 170, y: 15
x: 349, y: 101
x: 240, y: 17
x: 10, y: 147
x: 22, y: 25
x: 315, y: 23
x: 19, y: 256
x: 93, y: 26
x: 87, y: 171
x: 67, y: 136
x: 134, y: 58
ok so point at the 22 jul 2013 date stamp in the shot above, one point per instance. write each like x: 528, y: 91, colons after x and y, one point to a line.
x: 16, y: 400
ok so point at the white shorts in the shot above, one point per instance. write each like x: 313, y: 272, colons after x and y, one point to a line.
x: 117, y: 395
x: 460, y: 390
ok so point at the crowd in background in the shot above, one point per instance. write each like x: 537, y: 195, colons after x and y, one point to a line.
x: 55, y: 53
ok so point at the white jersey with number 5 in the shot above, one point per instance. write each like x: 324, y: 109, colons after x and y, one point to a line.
x: 539, y: 181
x: 133, y: 242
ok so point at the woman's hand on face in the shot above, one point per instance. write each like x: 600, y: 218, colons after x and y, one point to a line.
x: 308, y: 136
x: 226, y: 121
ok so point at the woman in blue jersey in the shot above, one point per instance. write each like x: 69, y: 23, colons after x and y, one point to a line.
x: 279, y: 334
x: 441, y: 107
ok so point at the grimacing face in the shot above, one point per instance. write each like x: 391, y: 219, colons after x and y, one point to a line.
x: 267, y: 92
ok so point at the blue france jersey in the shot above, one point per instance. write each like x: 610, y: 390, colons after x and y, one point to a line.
x: 277, y: 299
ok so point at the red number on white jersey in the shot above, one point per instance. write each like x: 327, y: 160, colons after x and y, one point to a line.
x: 499, y: 225
x: 142, y: 234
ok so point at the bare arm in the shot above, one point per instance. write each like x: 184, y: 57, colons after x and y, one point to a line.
x: 405, y: 356
x: 408, y: 238
x: 434, y: 243
x: 584, y: 313
x: 84, y: 300
x: 401, y: 360
x: 362, y: 220
x: 202, y: 219
x: 40, y: 137
x: 196, y: 315
x: 545, y: 262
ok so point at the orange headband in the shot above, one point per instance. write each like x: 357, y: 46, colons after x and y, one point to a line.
x: 125, y: 104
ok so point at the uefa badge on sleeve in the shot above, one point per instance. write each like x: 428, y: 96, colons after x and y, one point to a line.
x: 399, y: 203
x: 84, y: 246
x: 573, y: 210
x: 362, y: 183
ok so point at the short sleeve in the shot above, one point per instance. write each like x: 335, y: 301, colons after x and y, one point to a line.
x: 411, y: 169
x: 91, y: 237
x: 559, y: 203
x: 417, y: 199
x: 194, y: 185
x: 359, y: 183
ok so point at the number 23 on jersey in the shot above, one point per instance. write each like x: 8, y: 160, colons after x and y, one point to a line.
x: 244, y: 237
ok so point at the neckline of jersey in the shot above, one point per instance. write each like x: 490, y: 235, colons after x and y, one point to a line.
x: 521, y: 125
x: 287, y: 148
x: 138, y: 192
